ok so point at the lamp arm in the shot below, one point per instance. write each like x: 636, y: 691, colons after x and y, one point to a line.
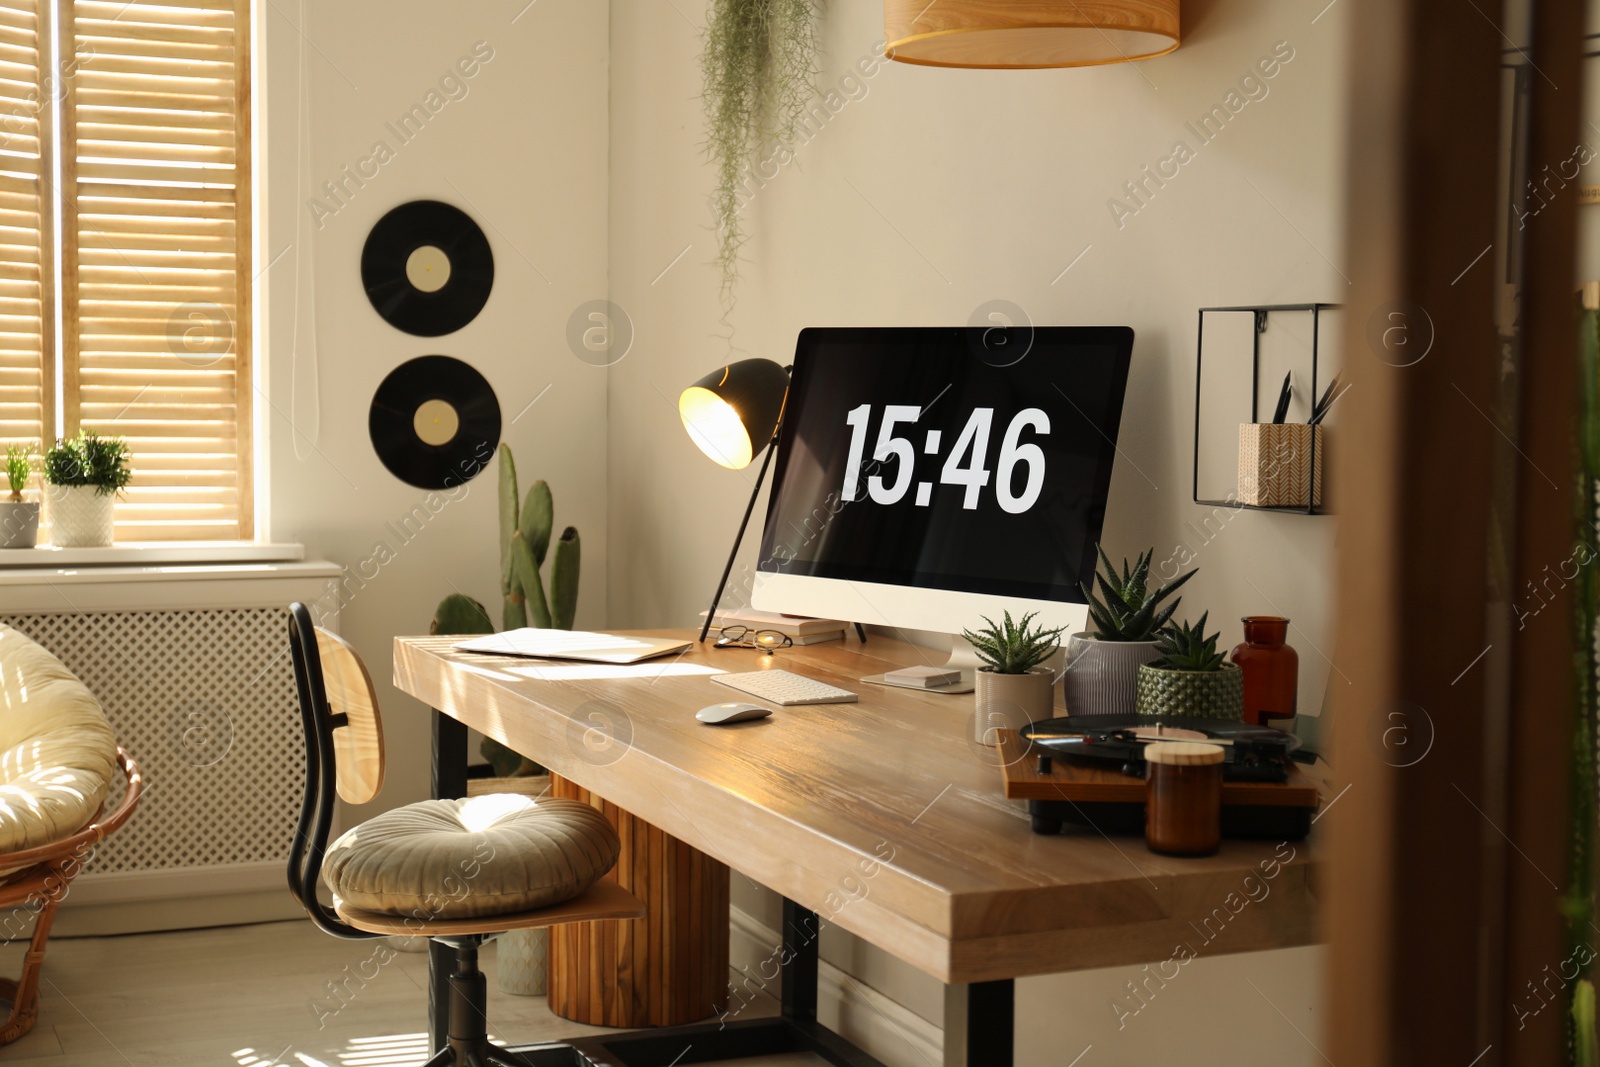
x: 738, y: 539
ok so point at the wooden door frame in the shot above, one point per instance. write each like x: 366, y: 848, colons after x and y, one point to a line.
x: 1440, y: 901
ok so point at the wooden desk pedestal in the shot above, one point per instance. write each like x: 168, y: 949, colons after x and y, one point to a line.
x: 669, y: 968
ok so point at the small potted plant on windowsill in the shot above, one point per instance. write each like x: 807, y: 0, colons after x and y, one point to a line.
x: 19, y: 518
x: 1191, y: 678
x: 1102, y: 670
x: 1013, y: 687
x: 83, y: 476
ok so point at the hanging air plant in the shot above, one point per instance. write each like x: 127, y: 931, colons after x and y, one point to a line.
x: 760, y: 67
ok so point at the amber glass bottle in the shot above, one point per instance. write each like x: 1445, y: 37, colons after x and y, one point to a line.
x: 1271, y: 669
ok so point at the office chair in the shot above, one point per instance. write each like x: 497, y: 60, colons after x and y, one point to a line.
x: 382, y: 874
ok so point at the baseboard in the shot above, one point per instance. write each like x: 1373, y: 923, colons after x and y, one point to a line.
x: 139, y: 902
x: 882, y: 1027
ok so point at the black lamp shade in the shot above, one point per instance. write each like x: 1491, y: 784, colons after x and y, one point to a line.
x: 732, y: 413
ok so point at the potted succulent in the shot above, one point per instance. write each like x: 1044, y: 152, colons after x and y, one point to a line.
x: 83, y: 476
x: 1013, y: 687
x: 1191, y: 677
x: 1102, y: 670
x: 19, y: 519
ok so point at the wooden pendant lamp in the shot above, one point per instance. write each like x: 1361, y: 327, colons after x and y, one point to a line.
x: 1028, y: 33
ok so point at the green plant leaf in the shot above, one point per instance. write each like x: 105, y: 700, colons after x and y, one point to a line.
x: 508, y: 517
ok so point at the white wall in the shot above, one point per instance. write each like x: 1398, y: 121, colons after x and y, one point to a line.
x: 927, y: 193
x: 521, y: 146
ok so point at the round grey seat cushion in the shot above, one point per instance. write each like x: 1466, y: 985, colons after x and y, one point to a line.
x: 462, y: 859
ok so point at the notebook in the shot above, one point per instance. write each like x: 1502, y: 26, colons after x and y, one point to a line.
x: 534, y: 643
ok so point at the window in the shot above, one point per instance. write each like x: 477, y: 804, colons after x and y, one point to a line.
x: 125, y: 226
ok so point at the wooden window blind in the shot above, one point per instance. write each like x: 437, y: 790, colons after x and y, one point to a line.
x: 27, y: 315
x: 155, y: 254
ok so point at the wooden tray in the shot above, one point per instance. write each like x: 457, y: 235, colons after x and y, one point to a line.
x: 1112, y: 802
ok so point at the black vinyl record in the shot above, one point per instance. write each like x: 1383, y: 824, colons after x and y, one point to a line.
x: 434, y: 422
x: 427, y: 268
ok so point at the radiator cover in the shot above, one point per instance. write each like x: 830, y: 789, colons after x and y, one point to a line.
x: 205, y: 702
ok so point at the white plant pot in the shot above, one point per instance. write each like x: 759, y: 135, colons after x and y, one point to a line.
x: 19, y: 524
x: 522, y: 962
x: 1011, y: 701
x: 1102, y: 677
x: 79, y: 515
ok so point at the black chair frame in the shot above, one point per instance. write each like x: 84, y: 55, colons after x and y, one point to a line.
x: 468, y: 1044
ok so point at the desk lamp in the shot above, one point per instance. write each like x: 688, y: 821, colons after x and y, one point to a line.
x: 732, y: 414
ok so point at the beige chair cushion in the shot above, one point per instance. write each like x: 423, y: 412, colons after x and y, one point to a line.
x: 461, y: 859
x: 57, y: 752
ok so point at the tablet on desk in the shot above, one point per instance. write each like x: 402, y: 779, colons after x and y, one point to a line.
x: 533, y: 643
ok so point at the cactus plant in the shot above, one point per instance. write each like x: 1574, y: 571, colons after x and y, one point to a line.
x: 460, y: 614
x: 1129, y: 611
x: 525, y: 527
x: 524, y: 542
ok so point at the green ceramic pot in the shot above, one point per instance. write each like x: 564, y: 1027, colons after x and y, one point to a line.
x: 1200, y: 694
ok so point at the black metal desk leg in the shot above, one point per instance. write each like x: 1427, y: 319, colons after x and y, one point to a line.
x: 801, y: 931
x: 449, y: 783
x: 991, y: 1009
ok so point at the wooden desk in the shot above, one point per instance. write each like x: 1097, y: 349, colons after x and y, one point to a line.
x: 880, y: 816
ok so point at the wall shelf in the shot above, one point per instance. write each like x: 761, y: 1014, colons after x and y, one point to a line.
x: 1262, y: 314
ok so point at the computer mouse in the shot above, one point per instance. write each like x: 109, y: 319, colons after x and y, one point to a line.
x: 723, y: 714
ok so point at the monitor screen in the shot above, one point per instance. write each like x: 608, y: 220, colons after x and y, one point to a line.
x: 940, y: 458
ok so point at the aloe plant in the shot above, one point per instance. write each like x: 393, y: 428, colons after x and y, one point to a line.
x: 1014, y: 647
x: 1187, y: 648
x: 1130, y: 611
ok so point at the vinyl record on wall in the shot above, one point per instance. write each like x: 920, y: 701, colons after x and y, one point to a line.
x: 434, y: 422
x: 427, y: 268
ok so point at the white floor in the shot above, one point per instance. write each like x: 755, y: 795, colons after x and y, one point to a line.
x: 243, y: 997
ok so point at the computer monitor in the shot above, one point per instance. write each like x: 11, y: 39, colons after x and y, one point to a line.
x: 926, y: 476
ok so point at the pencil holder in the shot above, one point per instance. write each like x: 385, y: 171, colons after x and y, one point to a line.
x: 1279, y: 463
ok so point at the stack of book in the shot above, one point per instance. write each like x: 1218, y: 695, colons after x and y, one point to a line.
x: 801, y: 629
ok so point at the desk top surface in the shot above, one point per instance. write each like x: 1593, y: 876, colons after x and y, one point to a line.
x: 882, y: 816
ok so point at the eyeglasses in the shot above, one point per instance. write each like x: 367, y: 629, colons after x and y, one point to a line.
x: 769, y: 641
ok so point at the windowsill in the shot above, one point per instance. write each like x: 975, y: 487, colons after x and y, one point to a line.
x: 147, y: 553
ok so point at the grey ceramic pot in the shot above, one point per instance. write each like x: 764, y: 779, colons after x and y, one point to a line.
x: 19, y: 524
x: 1102, y: 677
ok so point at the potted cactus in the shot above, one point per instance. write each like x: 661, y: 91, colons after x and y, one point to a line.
x: 1102, y: 668
x: 83, y: 476
x: 525, y: 528
x: 1013, y: 686
x: 1191, y: 678
x: 19, y: 519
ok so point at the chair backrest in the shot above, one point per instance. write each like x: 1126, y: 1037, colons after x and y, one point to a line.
x: 358, y: 743
x: 344, y: 752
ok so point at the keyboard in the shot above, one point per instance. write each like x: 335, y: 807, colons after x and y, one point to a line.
x: 784, y: 688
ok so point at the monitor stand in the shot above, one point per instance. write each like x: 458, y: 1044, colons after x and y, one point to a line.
x: 963, y: 658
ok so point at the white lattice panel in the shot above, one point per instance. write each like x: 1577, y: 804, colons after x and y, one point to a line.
x: 205, y: 702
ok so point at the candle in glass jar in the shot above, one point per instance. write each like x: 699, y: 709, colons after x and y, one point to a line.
x: 1183, y: 798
